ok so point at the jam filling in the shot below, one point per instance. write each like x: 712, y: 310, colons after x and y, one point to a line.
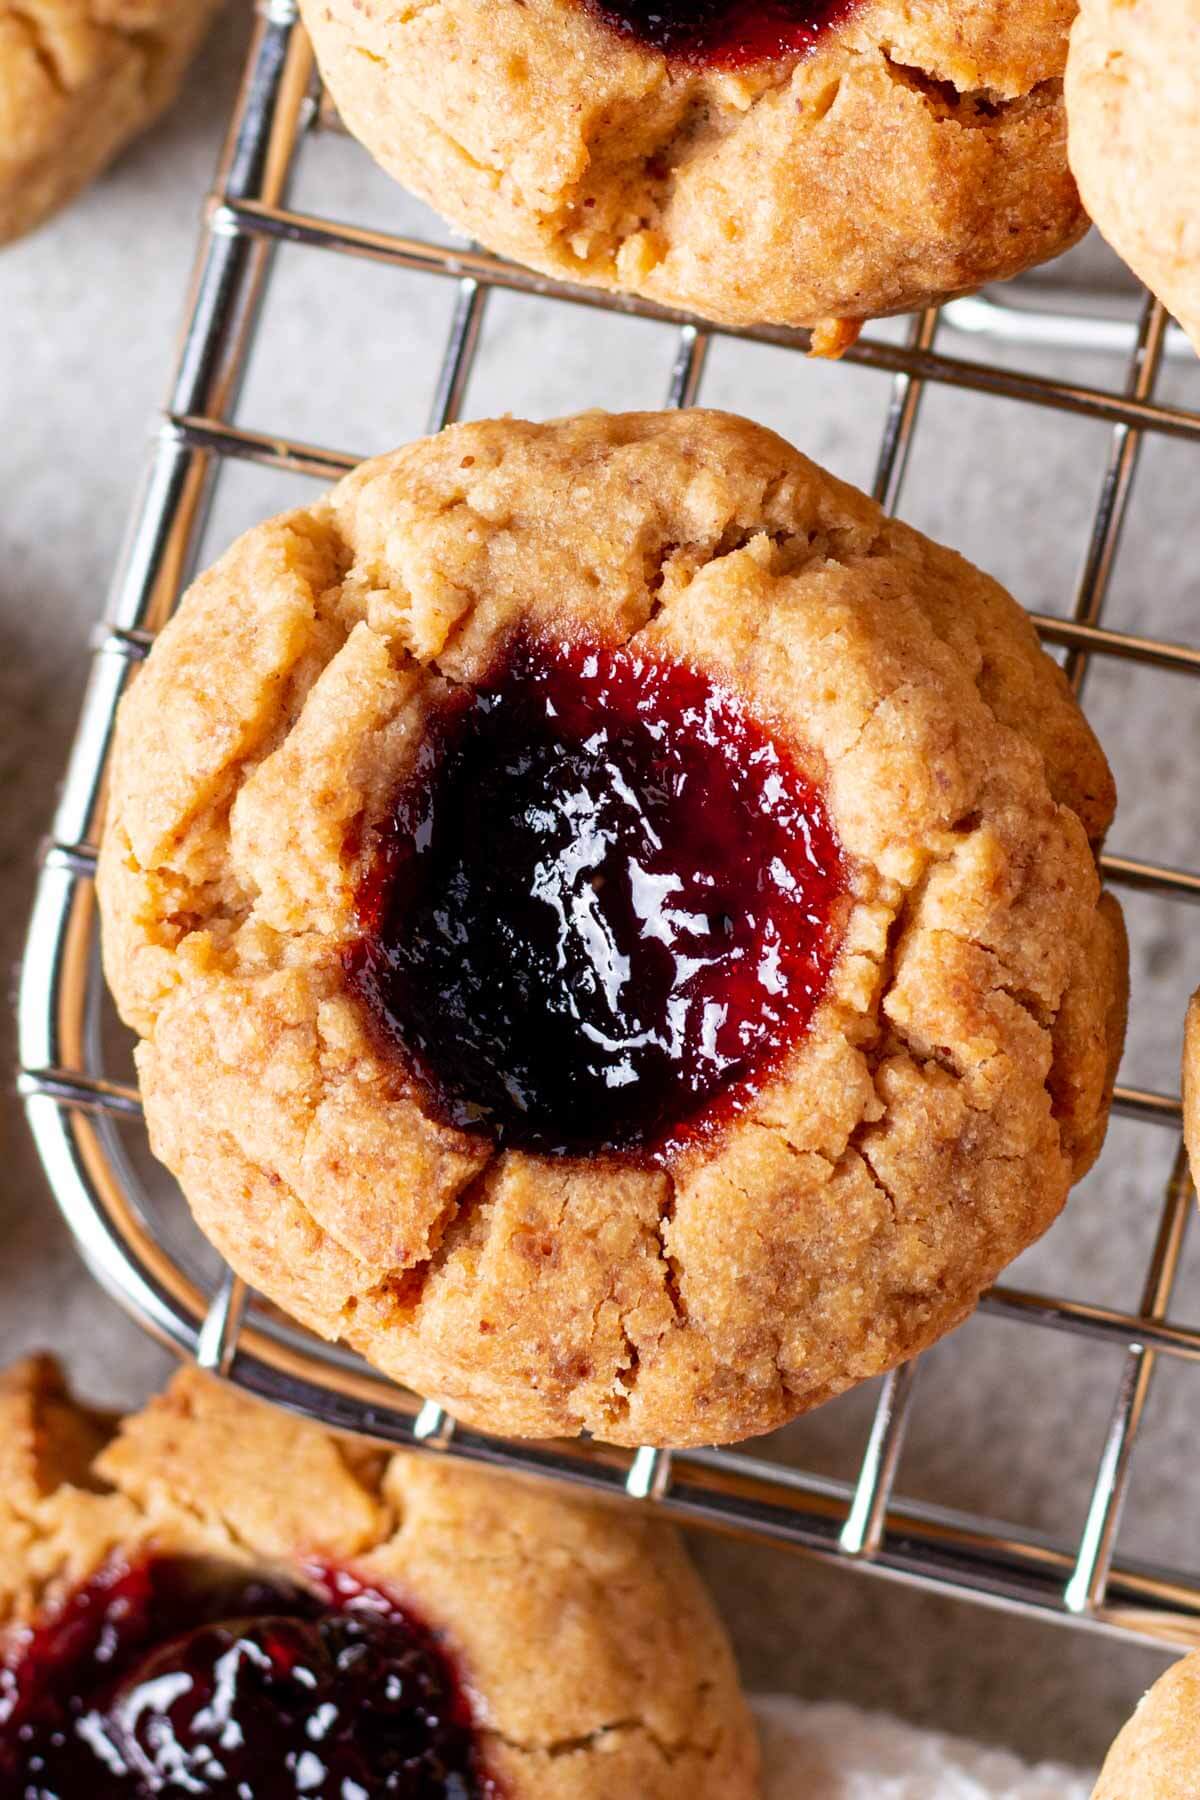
x: 722, y: 34
x: 606, y: 904
x: 178, y: 1676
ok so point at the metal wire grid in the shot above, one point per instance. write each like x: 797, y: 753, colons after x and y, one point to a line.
x: 74, y: 1108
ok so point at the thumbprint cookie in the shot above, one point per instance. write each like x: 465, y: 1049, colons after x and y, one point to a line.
x: 210, y: 1598
x: 613, y: 924
x: 795, y: 161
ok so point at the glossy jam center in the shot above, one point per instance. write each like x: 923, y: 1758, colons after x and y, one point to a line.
x: 607, y: 902
x: 180, y: 1677
x: 722, y: 33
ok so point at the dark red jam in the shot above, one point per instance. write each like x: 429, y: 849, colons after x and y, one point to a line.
x: 177, y: 1676
x: 723, y: 34
x: 607, y: 903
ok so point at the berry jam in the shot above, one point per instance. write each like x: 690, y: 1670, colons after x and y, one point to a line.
x: 178, y: 1676
x: 722, y: 34
x: 606, y: 904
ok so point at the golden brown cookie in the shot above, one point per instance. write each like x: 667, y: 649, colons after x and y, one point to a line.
x: 78, y: 80
x: 1157, y: 1754
x: 1133, y: 110
x: 883, y: 1046
x: 913, y: 153
x: 574, y: 1651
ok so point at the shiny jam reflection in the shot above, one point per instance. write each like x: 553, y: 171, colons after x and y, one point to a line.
x: 180, y: 1677
x: 608, y: 900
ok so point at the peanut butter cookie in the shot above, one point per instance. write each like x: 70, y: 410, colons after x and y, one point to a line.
x: 613, y: 924
x: 1157, y: 1755
x: 810, y: 161
x: 1133, y: 113
x: 213, y: 1598
x: 78, y: 80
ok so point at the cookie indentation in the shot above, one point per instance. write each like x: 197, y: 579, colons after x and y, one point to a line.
x: 724, y: 34
x: 175, y: 1675
x: 607, y: 902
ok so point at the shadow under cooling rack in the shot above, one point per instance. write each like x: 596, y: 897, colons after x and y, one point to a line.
x: 83, y: 1108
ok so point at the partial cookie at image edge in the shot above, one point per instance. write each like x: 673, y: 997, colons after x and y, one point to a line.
x: 1133, y: 137
x: 78, y: 83
x: 571, y: 1624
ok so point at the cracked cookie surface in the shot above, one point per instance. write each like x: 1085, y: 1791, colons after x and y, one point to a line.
x: 593, y: 1662
x: 1133, y: 115
x: 78, y: 80
x: 916, y: 152
x: 950, y: 1086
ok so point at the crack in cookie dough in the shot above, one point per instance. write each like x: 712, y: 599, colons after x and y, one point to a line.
x: 913, y: 154
x: 594, y: 1662
x: 951, y: 1084
x: 40, y: 43
x: 969, y: 108
x: 601, y: 1739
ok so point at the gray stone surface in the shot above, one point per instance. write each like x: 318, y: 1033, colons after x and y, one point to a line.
x: 1009, y: 1421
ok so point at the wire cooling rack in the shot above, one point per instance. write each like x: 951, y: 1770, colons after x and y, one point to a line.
x: 83, y: 1117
